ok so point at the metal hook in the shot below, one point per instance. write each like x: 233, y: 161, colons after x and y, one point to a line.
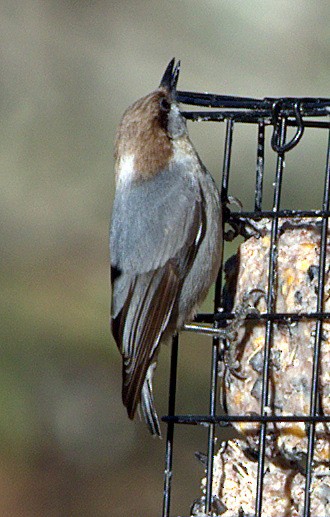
x: 300, y: 127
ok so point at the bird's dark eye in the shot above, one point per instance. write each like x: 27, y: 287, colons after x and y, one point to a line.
x: 164, y: 104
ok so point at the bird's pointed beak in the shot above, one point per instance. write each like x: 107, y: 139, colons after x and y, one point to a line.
x: 171, y: 76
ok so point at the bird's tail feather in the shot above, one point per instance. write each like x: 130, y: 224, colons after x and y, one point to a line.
x: 147, y: 404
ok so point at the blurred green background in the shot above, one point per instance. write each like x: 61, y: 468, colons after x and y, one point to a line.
x: 68, y: 71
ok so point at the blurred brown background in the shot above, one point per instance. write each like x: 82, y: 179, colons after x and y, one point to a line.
x: 68, y: 71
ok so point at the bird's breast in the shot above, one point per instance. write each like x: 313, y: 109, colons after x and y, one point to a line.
x: 125, y: 170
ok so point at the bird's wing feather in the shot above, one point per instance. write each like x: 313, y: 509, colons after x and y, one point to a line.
x: 139, y: 326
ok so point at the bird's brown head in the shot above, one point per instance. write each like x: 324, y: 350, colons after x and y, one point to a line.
x: 148, y: 128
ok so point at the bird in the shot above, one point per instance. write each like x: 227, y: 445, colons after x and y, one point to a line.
x: 166, y: 237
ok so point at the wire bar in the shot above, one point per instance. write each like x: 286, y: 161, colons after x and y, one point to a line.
x: 225, y: 419
x: 215, y: 346
x: 310, y: 106
x: 211, y: 433
x: 271, y: 299
x: 260, y: 166
x: 170, y: 430
x: 314, y: 403
x: 283, y: 317
x: 247, y: 118
x: 281, y: 214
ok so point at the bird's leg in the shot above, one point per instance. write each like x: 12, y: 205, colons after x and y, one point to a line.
x: 244, y: 309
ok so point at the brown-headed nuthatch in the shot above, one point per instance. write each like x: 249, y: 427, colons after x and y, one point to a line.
x: 165, y: 238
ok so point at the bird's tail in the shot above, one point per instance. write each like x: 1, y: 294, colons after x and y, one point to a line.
x: 147, y: 404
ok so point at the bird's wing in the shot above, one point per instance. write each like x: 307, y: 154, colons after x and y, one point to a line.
x: 153, y: 219
x: 154, y: 233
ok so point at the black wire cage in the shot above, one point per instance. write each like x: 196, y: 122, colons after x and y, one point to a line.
x: 284, y: 116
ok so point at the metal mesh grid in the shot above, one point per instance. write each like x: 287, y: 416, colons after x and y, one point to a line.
x: 281, y: 113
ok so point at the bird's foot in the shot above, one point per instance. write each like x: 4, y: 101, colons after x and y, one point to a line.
x: 243, y: 310
x: 229, y: 333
